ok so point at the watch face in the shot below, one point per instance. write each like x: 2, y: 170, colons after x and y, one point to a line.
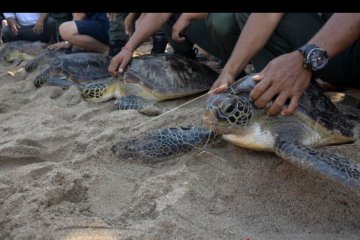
x: 317, y: 58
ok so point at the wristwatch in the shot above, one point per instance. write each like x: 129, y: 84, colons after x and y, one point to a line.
x: 315, y: 58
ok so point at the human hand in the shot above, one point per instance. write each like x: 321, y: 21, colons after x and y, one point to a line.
x: 221, y: 84
x: 111, y: 16
x: 120, y: 61
x: 59, y: 45
x: 178, y: 30
x: 284, y: 77
x: 38, y: 28
x: 129, y: 24
x: 14, y: 26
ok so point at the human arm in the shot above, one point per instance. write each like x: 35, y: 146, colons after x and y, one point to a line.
x: 12, y: 23
x: 79, y: 16
x: 111, y: 16
x: 129, y: 23
x: 286, y: 77
x: 39, y: 25
x: 257, y: 31
x: 151, y: 23
x: 182, y: 23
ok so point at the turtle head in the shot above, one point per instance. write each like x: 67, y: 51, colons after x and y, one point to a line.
x: 11, y: 56
x: 100, y: 91
x: 95, y: 92
x: 225, y: 113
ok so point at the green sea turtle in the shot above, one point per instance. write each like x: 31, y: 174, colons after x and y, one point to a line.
x: 17, y: 51
x: 162, y: 144
x: 316, y: 122
x: 74, y: 69
x: 153, y: 78
x: 43, y: 58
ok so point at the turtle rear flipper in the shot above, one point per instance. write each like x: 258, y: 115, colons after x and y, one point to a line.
x: 63, y: 82
x: 329, y: 165
x: 144, y: 106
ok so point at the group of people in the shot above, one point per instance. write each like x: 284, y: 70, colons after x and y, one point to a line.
x: 287, y: 50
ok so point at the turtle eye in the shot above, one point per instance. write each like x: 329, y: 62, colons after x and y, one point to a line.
x: 227, y: 108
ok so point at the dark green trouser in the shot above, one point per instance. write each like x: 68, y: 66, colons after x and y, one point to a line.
x: 117, y: 29
x: 294, y: 30
x: 196, y: 33
x: 59, y: 19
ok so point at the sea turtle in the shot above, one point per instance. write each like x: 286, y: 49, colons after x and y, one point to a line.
x: 17, y: 51
x: 74, y: 69
x: 153, y: 78
x: 316, y: 122
x: 162, y: 144
x: 42, y: 59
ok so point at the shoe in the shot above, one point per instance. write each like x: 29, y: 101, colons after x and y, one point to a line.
x: 115, y: 47
x: 201, y: 57
x: 191, y: 54
x: 159, y: 44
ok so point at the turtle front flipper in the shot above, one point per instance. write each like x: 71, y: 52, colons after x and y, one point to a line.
x: 164, y: 143
x: 332, y: 166
x: 31, y: 65
x: 42, y: 78
x: 144, y: 106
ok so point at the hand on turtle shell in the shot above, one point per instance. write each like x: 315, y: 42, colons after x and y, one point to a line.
x: 283, y: 78
x: 120, y: 61
x: 59, y: 45
x: 221, y: 84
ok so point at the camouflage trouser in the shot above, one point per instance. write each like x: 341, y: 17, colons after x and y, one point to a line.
x: 59, y: 19
x: 117, y: 29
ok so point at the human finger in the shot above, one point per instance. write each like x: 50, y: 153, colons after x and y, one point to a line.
x: 124, y: 64
x: 260, y: 88
x: 290, y: 109
x: 278, y: 104
x: 113, y: 66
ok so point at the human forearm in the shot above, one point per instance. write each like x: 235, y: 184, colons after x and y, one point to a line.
x: 192, y: 16
x: 79, y: 16
x: 151, y: 23
x: 339, y: 32
x: 133, y: 16
x: 43, y: 16
x: 257, y: 30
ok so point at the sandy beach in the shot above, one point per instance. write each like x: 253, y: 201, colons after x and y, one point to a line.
x: 59, y: 179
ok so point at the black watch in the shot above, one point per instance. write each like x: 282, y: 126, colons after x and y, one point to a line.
x: 315, y: 58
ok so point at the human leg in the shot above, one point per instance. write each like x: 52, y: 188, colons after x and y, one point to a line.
x: 159, y: 42
x: 59, y: 19
x: 294, y: 30
x: 224, y: 30
x: 184, y: 48
x: 27, y: 33
x: 8, y: 35
x: 117, y: 35
x: 49, y: 32
x: 69, y: 31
